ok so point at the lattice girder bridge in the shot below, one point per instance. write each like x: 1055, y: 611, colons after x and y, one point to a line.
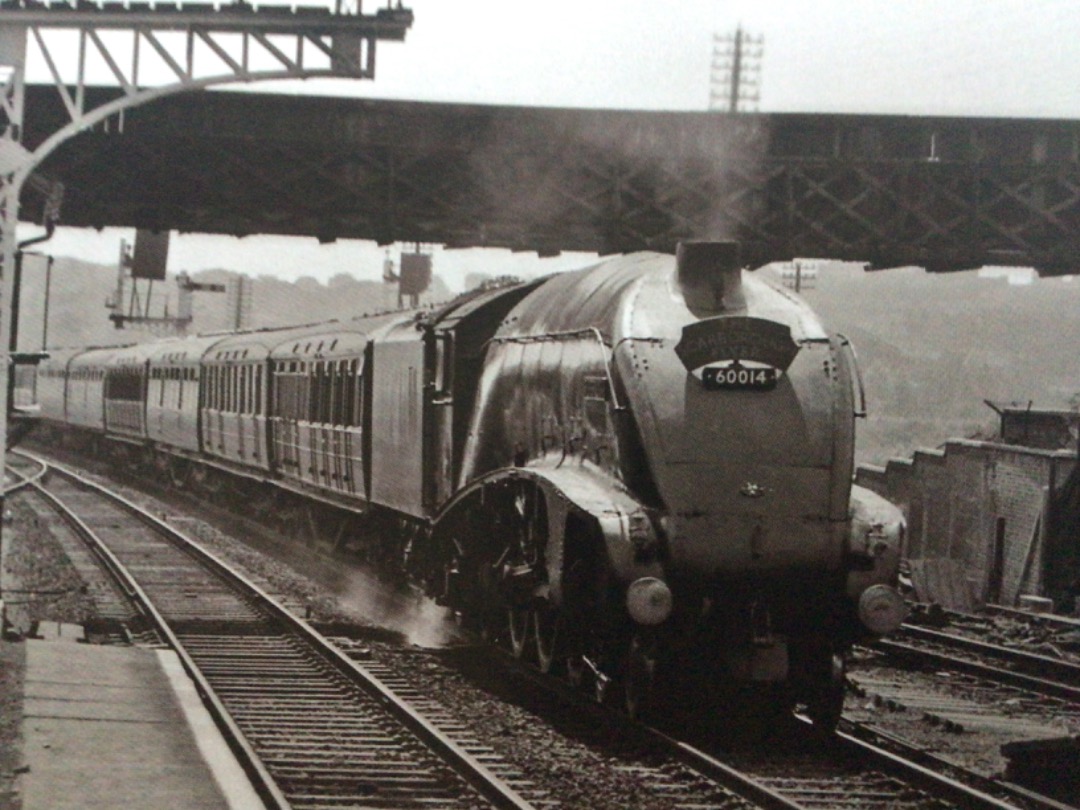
x: 945, y: 193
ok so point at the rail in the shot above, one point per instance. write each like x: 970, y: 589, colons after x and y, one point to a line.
x: 468, y: 768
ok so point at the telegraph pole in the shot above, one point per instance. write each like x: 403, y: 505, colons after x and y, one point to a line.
x: 736, y: 71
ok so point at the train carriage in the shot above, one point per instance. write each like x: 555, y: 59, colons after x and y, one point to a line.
x: 126, y: 377
x: 52, y: 383
x: 317, y: 408
x: 235, y: 399
x: 172, y: 395
x: 85, y: 406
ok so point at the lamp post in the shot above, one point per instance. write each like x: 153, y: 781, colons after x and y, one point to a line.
x: 45, y: 306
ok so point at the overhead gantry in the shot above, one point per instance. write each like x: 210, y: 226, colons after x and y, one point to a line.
x: 151, y: 50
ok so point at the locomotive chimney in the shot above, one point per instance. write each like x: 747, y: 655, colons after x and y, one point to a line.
x: 710, y: 276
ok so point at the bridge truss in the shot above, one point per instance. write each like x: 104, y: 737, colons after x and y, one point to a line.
x: 944, y: 193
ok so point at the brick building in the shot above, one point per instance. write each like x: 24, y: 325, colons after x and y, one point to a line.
x: 1050, y: 430
x: 991, y: 521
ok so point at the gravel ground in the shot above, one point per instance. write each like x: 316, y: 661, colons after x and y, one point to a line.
x: 12, y: 669
x: 41, y: 586
x: 568, y: 770
x: 578, y: 776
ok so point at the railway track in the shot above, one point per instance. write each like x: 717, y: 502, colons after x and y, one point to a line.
x: 118, y: 617
x: 311, y: 727
x: 318, y: 737
x: 1040, y: 674
x: 987, y: 685
x: 795, y: 770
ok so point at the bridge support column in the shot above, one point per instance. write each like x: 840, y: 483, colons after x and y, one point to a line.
x: 14, y: 162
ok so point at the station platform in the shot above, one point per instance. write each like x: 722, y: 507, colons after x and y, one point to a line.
x: 106, y: 727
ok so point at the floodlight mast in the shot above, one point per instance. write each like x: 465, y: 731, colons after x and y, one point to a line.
x: 184, y: 50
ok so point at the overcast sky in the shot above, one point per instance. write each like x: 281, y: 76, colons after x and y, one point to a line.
x: 964, y: 57
x: 952, y: 57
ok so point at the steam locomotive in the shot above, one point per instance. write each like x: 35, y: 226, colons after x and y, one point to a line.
x: 626, y: 473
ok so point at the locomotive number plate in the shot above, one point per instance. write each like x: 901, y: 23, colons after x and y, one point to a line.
x: 737, y: 377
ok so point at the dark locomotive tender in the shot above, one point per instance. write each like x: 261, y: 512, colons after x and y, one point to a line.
x: 638, y: 468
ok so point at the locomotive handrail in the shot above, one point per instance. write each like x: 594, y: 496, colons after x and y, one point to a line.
x: 857, y: 378
x: 591, y: 330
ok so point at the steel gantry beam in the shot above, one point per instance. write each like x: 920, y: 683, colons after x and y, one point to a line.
x: 147, y: 51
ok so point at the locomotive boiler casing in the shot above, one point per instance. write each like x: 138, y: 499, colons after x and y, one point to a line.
x: 746, y: 489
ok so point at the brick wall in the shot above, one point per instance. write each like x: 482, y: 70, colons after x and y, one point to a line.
x: 956, y: 501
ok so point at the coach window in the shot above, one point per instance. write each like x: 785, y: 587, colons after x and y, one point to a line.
x: 314, y: 370
x: 287, y: 399
x: 331, y: 410
x: 341, y: 388
x: 358, y: 394
x: 323, y: 382
x: 307, y: 390
x: 258, y: 389
x: 293, y: 393
x: 242, y: 405
x: 293, y: 403
x: 319, y: 386
x: 299, y: 404
x: 326, y: 398
x: 325, y: 389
